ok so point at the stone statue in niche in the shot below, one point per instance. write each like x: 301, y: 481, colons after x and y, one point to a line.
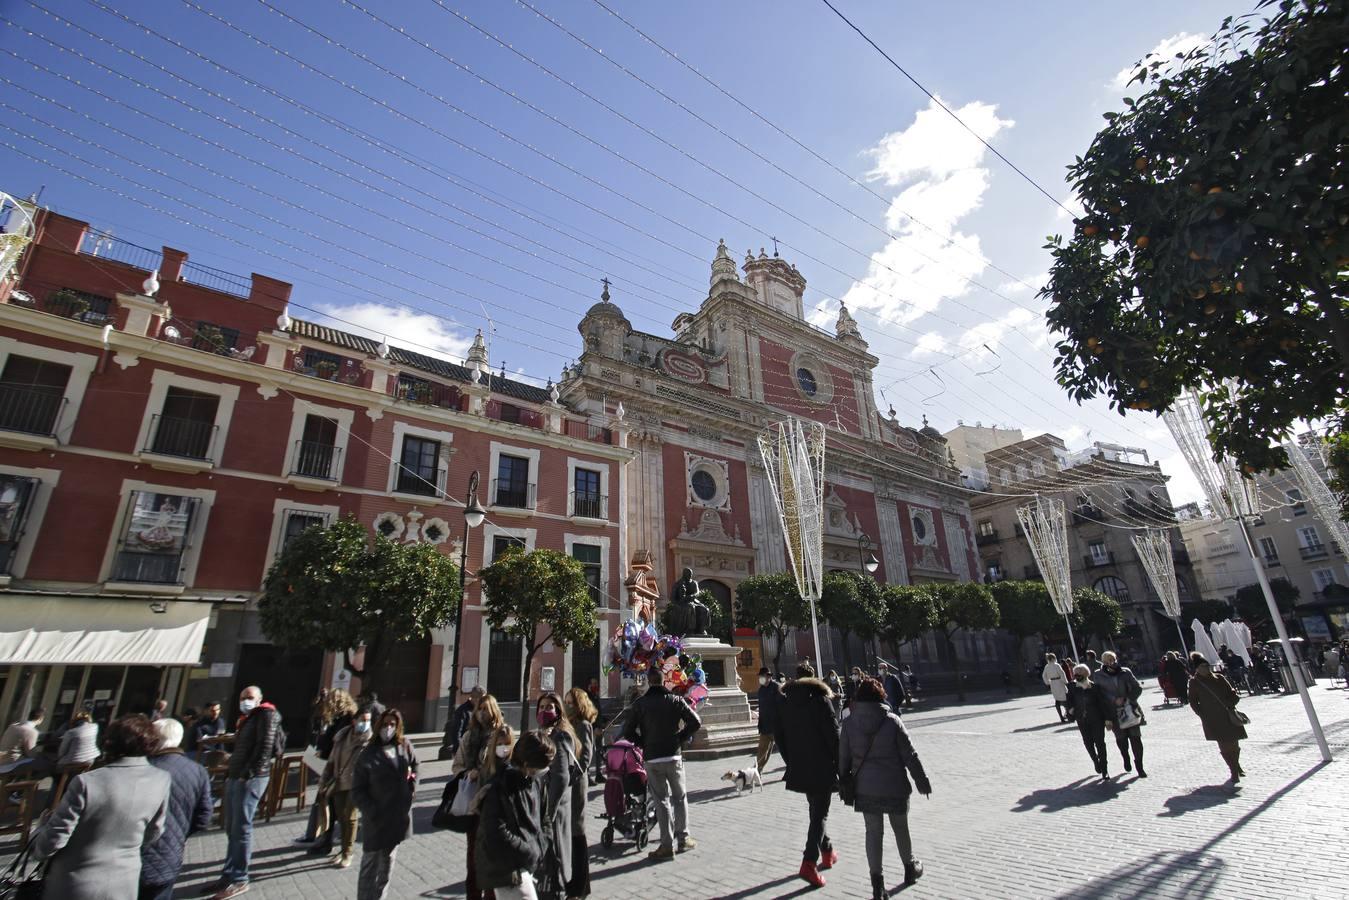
x: 688, y: 616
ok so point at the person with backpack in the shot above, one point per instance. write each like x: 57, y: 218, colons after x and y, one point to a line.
x: 258, y: 740
x: 382, y: 786
x: 510, y: 837
x: 876, y: 757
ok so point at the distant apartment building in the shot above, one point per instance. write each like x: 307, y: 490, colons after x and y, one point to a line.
x: 1108, y: 498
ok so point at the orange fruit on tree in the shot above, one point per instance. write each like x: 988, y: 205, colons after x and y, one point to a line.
x: 1215, y: 190
x: 1141, y: 163
x: 1196, y: 255
x: 1090, y: 230
x: 1142, y: 242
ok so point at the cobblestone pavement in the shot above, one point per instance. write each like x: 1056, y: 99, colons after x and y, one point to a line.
x: 1016, y: 812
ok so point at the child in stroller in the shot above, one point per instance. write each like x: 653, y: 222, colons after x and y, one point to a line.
x: 628, y: 809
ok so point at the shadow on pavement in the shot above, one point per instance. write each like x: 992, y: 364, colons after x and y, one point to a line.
x: 1061, y: 725
x: 761, y: 888
x: 1199, y: 798
x: 1083, y: 792
x: 1190, y: 875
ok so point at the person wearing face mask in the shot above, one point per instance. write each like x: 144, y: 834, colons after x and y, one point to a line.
x: 258, y: 739
x: 770, y: 696
x: 471, y: 758
x: 1122, y: 689
x: 1091, y: 710
x: 336, y: 779
x: 555, y: 871
x: 459, y: 723
x: 511, y: 834
x: 383, y: 784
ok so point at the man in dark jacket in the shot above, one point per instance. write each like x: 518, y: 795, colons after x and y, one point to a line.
x: 189, y: 811
x: 209, y: 724
x: 256, y: 743
x: 458, y: 724
x: 896, y: 697
x: 661, y: 724
x: 770, y: 696
x: 807, y: 737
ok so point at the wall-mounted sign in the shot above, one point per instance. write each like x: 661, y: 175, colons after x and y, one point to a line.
x: 548, y: 679
x: 222, y: 670
x: 470, y: 678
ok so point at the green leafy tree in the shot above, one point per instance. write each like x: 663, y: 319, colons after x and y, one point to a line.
x: 1254, y: 611
x: 1337, y: 455
x: 909, y: 613
x: 721, y: 626
x: 852, y: 604
x: 1206, y: 611
x: 961, y: 605
x: 539, y: 596
x: 1213, y: 241
x: 1096, y: 614
x: 339, y: 588
x: 771, y: 605
x: 1024, y: 610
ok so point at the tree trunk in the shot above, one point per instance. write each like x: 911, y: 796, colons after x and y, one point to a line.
x: 781, y: 636
x: 955, y: 663
x: 524, y: 686
x: 847, y: 655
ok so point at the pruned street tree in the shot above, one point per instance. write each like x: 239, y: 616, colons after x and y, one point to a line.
x: 1212, y: 250
x: 852, y: 604
x: 908, y: 613
x: 1096, y: 614
x: 771, y: 605
x: 961, y: 605
x: 1207, y: 611
x: 1024, y: 610
x: 539, y: 596
x: 340, y: 588
x: 1254, y: 611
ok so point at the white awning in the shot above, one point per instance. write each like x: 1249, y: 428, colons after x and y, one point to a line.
x: 65, y: 630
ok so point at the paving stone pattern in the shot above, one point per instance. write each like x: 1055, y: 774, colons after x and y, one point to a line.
x: 1016, y: 813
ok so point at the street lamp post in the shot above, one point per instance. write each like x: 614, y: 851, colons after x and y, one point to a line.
x: 473, y: 516
x: 870, y: 563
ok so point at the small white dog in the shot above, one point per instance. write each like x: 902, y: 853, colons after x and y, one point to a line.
x: 744, y: 779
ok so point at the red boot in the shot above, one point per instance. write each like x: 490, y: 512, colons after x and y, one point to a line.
x: 810, y: 874
x: 828, y: 859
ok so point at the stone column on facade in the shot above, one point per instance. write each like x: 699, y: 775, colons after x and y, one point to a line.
x: 891, y: 539
x: 382, y: 373
x: 142, y: 313
x: 277, y: 344
x: 957, y: 545
x: 477, y: 398
x: 770, y: 551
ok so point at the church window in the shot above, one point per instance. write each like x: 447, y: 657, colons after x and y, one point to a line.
x: 806, y: 379
x: 704, y: 485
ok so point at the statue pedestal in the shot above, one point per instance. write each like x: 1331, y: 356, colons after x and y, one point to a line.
x: 729, y: 727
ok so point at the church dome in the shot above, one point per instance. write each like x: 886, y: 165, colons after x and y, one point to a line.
x: 605, y: 308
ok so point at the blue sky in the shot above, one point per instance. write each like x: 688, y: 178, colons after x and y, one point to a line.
x: 373, y: 231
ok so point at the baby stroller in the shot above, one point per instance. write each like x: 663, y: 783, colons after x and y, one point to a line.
x: 628, y: 809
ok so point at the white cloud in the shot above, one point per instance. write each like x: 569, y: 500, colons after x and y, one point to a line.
x: 930, y: 344
x: 1165, y: 51
x: 416, y: 331
x: 986, y: 338
x: 938, y: 164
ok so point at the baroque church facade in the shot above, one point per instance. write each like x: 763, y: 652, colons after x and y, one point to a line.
x: 696, y: 495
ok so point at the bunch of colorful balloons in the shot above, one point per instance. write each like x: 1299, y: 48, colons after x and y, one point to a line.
x: 638, y: 647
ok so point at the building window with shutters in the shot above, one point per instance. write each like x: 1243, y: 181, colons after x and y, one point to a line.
x: 591, y: 558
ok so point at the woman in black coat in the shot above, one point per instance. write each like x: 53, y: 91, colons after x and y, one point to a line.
x: 382, y: 785
x: 1091, y: 710
x: 807, y: 738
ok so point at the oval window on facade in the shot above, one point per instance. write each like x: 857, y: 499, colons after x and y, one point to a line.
x: 806, y: 380
x: 704, y: 485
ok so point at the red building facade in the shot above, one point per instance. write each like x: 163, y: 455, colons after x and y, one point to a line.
x: 697, y: 495
x: 158, y: 447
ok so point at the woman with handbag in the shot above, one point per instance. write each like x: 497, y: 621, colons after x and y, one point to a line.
x: 383, y: 785
x: 875, y: 760
x: 335, y: 782
x: 468, y: 764
x: 1215, y: 702
x: 1122, y: 689
x: 581, y: 713
x: 337, y: 712
x: 555, y: 870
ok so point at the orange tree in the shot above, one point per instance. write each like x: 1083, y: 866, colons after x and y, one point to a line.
x: 1214, y: 244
